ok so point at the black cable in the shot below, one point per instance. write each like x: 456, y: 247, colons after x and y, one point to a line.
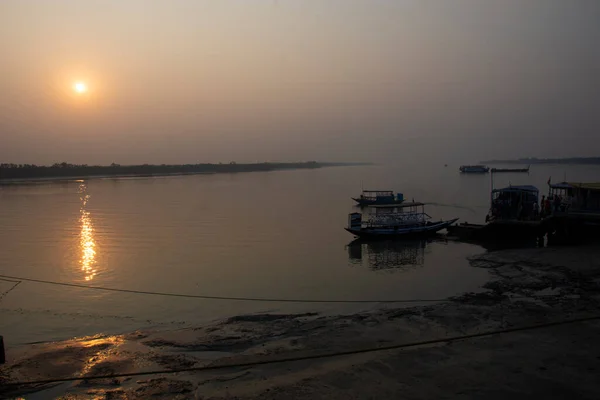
x: 206, y: 297
x: 15, y: 284
x: 311, y: 357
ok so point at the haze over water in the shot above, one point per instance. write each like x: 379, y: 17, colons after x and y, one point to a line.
x: 183, y: 81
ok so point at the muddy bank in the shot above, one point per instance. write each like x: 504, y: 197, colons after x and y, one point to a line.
x: 526, y: 287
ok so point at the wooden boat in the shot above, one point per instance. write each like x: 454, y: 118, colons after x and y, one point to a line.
x: 474, y: 169
x: 514, y: 203
x: 496, y: 170
x: 407, y: 219
x: 513, y: 215
x: 572, y: 209
x: 378, y: 197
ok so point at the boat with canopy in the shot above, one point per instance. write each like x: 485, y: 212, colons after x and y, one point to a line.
x: 407, y: 219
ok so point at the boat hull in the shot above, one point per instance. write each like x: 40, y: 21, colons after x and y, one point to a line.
x: 474, y: 169
x: 413, y: 231
x: 498, y: 230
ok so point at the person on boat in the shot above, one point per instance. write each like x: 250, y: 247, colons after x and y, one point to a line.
x: 548, y: 206
x: 536, y: 210
x: 557, y: 202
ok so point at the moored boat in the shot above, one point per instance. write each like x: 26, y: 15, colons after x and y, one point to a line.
x: 514, y: 214
x: 407, y: 219
x: 378, y: 197
x: 474, y: 169
x: 514, y: 203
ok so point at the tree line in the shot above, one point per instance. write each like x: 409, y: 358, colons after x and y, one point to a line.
x: 64, y: 169
x: 533, y: 160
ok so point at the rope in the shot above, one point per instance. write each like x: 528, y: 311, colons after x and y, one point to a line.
x: 312, y: 357
x: 15, y: 284
x: 207, y: 297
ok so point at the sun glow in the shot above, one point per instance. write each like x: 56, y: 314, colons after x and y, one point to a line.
x: 80, y: 87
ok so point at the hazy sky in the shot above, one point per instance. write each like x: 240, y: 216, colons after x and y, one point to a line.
x: 252, y: 80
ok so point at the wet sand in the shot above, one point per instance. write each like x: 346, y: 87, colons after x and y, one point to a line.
x: 526, y: 287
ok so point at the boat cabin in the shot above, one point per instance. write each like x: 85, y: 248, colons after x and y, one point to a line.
x: 515, y: 203
x: 398, y: 215
x: 575, y: 197
x: 380, y: 195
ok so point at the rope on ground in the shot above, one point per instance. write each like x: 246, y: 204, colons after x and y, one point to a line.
x: 208, y: 297
x: 15, y: 284
x: 311, y: 357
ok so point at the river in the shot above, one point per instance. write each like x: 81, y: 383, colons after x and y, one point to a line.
x: 275, y: 235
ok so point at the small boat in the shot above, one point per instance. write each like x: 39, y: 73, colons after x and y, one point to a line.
x: 378, y: 197
x: 496, y: 170
x: 474, y: 169
x: 407, y: 219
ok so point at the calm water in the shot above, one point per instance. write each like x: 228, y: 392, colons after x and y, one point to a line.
x: 274, y: 234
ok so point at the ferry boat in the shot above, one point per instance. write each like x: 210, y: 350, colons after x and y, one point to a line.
x: 514, y: 203
x: 378, y: 197
x: 407, y: 219
x: 514, y: 213
x: 474, y: 169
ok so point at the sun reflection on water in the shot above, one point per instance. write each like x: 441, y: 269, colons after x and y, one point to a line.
x: 86, y: 237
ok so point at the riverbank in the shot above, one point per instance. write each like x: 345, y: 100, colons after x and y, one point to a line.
x: 556, y: 161
x: 526, y: 287
x: 25, y: 174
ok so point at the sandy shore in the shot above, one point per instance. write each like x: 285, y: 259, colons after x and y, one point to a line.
x: 527, y: 287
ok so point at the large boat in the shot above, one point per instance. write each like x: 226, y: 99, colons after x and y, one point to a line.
x: 474, y: 169
x: 407, y: 219
x: 514, y: 203
x: 514, y: 213
x: 378, y: 197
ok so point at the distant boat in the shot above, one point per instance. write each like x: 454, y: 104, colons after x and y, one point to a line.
x: 378, y: 197
x: 474, y: 169
x: 408, y: 219
x: 495, y: 170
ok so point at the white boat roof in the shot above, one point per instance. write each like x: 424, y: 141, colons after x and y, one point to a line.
x: 401, y: 205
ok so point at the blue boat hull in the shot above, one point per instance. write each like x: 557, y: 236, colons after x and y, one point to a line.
x: 413, y: 231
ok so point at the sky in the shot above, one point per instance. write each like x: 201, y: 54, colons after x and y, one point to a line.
x: 187, y: 81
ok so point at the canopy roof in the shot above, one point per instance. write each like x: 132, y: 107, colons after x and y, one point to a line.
x: 401, y: 205
x: 523, y: 188
x: 576, y: 185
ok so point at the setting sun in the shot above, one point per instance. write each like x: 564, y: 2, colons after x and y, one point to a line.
x: 80, y: 87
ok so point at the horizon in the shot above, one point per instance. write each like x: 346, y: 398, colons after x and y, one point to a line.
x: 164, y: 83
x: 56, y: 164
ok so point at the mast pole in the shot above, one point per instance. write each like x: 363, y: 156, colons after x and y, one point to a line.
x: 492, y: 189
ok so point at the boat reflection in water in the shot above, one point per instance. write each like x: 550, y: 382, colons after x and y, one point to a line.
x: 391, y: 255
x: 87, y: 243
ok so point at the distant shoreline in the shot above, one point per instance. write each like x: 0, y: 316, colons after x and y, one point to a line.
x: 527, y: 161
x: 19, y: 174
